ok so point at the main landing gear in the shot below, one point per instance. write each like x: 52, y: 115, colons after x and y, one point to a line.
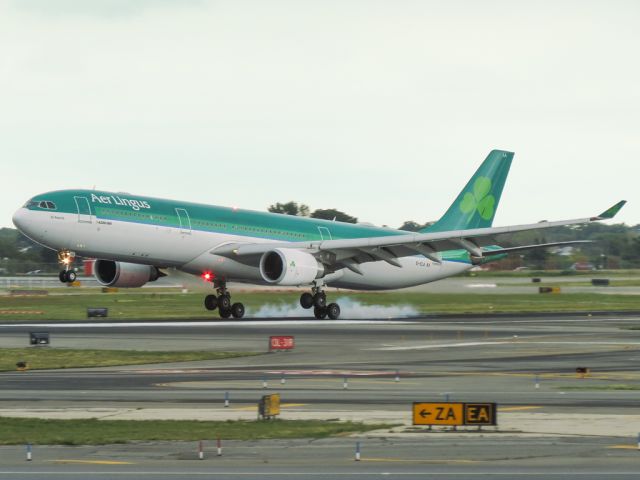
x: 223, y: 302
x: 66, y: 258
x: 318, y: 300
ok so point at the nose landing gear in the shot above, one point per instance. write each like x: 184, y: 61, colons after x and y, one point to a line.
x: 67, y: 276
x: 223, y: 302
x: 318, y: 300
x: 66, y: 258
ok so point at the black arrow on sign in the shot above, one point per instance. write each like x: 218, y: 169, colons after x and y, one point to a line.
x: 424, y: 413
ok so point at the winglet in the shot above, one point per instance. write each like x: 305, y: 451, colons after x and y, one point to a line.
x: 611, y: 212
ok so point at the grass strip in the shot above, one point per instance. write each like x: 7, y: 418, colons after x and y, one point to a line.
x: 19, y: 431
x: 188, y: 306
x: 40, y: 358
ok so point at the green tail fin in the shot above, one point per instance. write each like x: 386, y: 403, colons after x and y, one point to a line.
x: 477, y: 203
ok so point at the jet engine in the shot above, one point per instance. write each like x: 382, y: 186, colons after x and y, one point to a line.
x: 126, y: 275
x: 287, y: 266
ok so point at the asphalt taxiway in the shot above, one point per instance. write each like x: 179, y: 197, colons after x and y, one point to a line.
x: 550, y: 422
x: 413, y: 458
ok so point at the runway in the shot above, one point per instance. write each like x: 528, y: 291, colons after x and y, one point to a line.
x: 471, y: 360
x: 545, y: 431
x: 414, y: 458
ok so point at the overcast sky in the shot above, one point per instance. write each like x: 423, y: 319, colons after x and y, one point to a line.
x: 382, y: 109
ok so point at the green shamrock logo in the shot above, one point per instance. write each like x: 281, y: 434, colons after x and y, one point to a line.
x: 480, y: 200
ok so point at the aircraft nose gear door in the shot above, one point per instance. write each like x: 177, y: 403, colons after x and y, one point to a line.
x: 84, y: 209
x: 185, y: 221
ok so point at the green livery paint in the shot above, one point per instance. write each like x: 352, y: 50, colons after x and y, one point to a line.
x: 476, y: 205
x: 481, y: 199
x: 492, y: 258
x: 611, y: 212
x: 109, y: 207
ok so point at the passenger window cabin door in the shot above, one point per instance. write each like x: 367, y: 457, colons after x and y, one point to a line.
x: 185, y: 221
x: 325, y: 234
x: 84, y: 209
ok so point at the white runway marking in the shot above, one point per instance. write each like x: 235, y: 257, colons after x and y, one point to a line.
x: 441, y: 345
x: 547, y: 320
x: 325, y: 474
x: 509, y: 342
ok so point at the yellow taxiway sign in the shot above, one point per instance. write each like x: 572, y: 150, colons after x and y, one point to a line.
x: 454, y: 413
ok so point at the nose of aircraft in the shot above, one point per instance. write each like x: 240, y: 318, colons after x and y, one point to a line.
x: 19, y: 218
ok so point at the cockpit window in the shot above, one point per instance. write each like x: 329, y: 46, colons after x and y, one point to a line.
x: 44, y: 204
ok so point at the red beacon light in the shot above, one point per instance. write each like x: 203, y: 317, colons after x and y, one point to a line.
x: 207, y: 276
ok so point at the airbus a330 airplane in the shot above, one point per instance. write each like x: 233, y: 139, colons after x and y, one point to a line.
x: 134, y: 238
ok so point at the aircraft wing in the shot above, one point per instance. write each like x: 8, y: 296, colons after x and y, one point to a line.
x: 500, y: 251
x: 348, y: 253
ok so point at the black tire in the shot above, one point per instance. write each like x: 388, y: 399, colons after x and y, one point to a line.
x: 63, y: 276
x: 320, y: 300
x: 224, y: 312
x: 71, y: 276
x: 320, y: 312
x: 306, y: 300
x: 333, y: 311
x: 237, y: 310
x: 224, y: 302
x: 210, y: 302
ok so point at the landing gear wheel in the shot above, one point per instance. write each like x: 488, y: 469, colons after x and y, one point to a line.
x: 210, y: 302
x: 320, y: 312
x: 237, y: 310
x: 333, y: 310
x: 306, y: 300
x: 65, y: 259
x: 224, y: 302
x: 320, y: 300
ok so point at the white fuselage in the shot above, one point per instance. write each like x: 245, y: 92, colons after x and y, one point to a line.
x: 193, y: 251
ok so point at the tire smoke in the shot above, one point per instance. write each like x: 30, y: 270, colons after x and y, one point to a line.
x: 349, y: 310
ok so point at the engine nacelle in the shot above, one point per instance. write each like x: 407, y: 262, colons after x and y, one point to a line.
x: 286, y: 266
x: 124, y: 275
